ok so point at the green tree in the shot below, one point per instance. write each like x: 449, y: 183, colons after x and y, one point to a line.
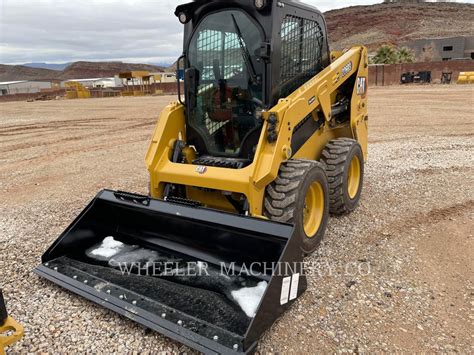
x: 386, y: 54
x: 405, y: 55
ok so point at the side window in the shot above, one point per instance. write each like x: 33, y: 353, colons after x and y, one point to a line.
x: 301, y: 52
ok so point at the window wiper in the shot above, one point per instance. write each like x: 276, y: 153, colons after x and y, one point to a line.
x: 245, y: 54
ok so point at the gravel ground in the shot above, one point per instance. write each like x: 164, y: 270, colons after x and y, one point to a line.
x: 395, y: 275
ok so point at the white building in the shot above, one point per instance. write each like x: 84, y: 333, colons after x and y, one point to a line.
x: 97, y: 82
x: 24, y: 87
x: 165, y: 77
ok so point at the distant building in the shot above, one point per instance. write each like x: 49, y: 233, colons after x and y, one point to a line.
x: 27, y: 86
x: 111, y: 82
x: 165, y: 77
x: 438, y: 49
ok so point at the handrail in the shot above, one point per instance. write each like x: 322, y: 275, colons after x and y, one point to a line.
x: 177, y: 77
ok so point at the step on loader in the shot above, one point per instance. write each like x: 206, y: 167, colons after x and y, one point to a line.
x: 267, y: 139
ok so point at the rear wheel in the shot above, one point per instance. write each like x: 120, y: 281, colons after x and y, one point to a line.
x: 299, y: 196
x: 344, y: 165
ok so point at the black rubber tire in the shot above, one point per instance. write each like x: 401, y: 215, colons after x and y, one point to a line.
x: 285, y: 198
x: 336, y: 157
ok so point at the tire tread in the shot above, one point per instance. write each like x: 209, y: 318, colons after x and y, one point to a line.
x: 281, y: 199
x: 334, y: 158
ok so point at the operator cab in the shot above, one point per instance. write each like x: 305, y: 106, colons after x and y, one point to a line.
x: 240, y: 57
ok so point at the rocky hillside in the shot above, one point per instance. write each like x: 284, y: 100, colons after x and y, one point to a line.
x: 77, y: 70
x: 20, y: 72
x: 397, y: 23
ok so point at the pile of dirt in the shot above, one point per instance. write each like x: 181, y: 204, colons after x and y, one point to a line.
x: 77, y: 70
x: 397, y: 23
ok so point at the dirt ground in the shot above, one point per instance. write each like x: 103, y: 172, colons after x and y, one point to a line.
x: 395, y: 275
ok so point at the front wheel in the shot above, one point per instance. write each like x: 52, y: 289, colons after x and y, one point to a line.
x: 300, y: 196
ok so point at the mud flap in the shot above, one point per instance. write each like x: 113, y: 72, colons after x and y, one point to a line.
x: 200, y: 311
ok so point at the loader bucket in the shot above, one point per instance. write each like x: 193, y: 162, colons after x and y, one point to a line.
x: 132, y: 254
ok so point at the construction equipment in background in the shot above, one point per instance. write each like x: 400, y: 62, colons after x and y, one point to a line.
x: 422, y: 77
x: 446, y: 77
x: 466, y: 77
x: 75, y: 90
x: 10, y: 330
x: 137, y: 83
x: 271, y: 138
x: 407, y: 78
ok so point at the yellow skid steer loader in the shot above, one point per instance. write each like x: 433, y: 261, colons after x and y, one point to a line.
x: 268, y: 138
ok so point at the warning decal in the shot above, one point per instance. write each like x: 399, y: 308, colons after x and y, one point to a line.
x: 295, y: 279
x: 289, y: 288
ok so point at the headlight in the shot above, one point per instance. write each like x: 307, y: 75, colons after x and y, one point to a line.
x: 183, y: 18
x: 260, y: 4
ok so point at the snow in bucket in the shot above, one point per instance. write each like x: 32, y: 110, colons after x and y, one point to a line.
x: 118, y: 254
x: 105, y: 250
x: 248, y: 298
x: 141, y: 256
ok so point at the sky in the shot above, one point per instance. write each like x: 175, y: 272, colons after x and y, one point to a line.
x: 137, y: 31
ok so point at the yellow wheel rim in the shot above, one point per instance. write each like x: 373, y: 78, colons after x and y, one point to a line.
x: 353, y: 177
x: 313, y: 210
